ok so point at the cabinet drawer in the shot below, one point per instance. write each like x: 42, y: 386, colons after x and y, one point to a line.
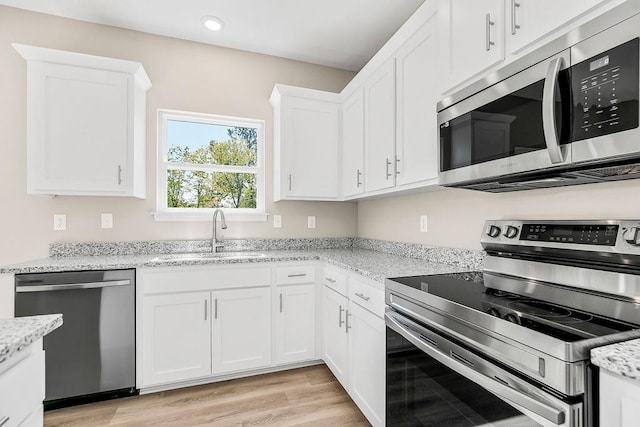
x: 366, y: 296
x: 22, y: 388
x: 335, y: 280
x: 293, y: 275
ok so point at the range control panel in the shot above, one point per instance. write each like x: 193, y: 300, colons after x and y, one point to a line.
x: 606, y: 92
x: 590, y: 234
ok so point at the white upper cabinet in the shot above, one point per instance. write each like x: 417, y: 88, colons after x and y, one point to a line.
x: 418, y: 89
x: 353, y: 145
x: 379, y: 120
x: 306, y: 144
x: 475, y: 34
x: 531, y: 20
x: 86, y: 119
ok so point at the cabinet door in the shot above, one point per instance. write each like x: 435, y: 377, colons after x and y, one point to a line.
x: 335, y: 339
x: 474, y: 31
x: 241, y: 329
x: 380, y: 98
x: 353, y: 145
x: 310, y: 143
x: 417, y: 96
x: 295, y: 323
x: 531, y: 20
x: 367, y: 363
x: 619, y: 400
x: 176, y: 337
x: 78, y: 131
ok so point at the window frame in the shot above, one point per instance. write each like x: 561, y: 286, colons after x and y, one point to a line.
x: 166, y: 213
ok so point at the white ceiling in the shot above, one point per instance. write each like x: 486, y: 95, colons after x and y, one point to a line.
x: 338, y: 33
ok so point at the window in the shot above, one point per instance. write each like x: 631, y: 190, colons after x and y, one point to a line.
x: 207, y: 162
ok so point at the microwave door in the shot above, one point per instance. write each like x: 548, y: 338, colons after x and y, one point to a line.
x: 499, y: 131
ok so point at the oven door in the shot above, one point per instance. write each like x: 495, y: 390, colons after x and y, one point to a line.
x: 520, y: 124
x: 434, y: 381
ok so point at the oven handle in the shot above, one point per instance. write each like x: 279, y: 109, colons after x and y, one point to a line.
x: 475, y: 374
x: 549, y: 110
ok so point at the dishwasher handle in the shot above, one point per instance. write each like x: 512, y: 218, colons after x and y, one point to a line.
x: 72, y: 286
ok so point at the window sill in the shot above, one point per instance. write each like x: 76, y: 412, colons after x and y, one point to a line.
x: 207, y: 216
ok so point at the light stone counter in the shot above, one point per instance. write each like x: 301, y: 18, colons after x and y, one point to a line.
x: 621, y: 358
x: 17, y: 333
x: 369, y: 263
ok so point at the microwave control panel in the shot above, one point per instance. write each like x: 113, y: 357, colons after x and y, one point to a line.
x: 595, y: 234
x: 606, y: 92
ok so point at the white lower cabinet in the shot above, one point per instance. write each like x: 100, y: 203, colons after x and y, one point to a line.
x: 334, y: 308
x: 367, y: 352
x: 22, y: 387
x: 355, y: 340
x: 295, y: 327
x: 197, y: 323
x: 619, y: 400
x: 241, y: 329
x: 176, y: 337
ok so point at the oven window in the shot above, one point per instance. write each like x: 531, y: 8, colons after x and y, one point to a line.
x: 423, y: 392
x: 506, y: 127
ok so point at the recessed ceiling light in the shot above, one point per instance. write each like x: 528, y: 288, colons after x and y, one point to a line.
x: 213, y: 23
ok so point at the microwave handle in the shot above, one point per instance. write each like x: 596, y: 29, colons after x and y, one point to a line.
x: 549, y: 110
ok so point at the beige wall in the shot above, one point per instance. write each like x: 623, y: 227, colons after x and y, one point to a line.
x: 186, y: 76
x: 455, y: 217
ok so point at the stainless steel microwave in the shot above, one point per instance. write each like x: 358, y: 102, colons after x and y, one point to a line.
x: 571, y: 118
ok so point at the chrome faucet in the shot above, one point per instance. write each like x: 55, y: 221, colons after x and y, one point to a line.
x: 215, y: 245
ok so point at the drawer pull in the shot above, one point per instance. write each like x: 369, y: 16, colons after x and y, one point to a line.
x: 297, y: 275
x: 363, y: 297
x: 330, y: 280
x: 4, y: 420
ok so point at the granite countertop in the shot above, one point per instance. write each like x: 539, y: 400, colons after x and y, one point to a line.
x: 369, y: 263
x: 17, y: 333
x: 621, y: 358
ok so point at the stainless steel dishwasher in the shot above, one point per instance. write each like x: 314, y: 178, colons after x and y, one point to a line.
x: 92, y: 355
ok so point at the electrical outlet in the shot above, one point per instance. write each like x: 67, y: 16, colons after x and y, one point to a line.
x: 277, y: 221
x: 423, y: 223
x: 106, y: 220
x: 59, y: 222
x: 311, y: 222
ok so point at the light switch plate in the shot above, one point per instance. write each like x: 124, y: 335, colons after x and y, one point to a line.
x: 311, y: 222
x: 106, y: 220
x: 277, y: 221
x: 423, y: 223
x: 59, y: 222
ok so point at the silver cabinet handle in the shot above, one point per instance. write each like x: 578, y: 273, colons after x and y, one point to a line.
x: 205, y: 309
x: 280, y: 302
x: 215, y: 308
x: 72, y: 286
x: 289, y: 182
x: 549, y: 110
x: 358, y: 175
x: 488, y: 24
x: 397, y: 168
x: 387, y: 167
x: 119, y: 181
x: 340, y: 321
x: 297, y: 275
x: 347, y: 326
x: 330, y: 280
x: 514, y: 26
x: 4, y: 420
x: 366, y: 298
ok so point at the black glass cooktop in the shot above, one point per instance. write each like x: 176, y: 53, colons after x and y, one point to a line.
x: 468, y: 289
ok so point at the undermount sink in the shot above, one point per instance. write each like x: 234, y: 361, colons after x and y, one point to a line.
x: 208, y: 256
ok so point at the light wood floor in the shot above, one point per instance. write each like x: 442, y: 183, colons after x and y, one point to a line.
x: 300, y: 397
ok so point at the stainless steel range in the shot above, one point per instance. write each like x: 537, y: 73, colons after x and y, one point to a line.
x: 510, y: 345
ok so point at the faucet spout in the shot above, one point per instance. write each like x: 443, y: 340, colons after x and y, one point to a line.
x: 215, y: 244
